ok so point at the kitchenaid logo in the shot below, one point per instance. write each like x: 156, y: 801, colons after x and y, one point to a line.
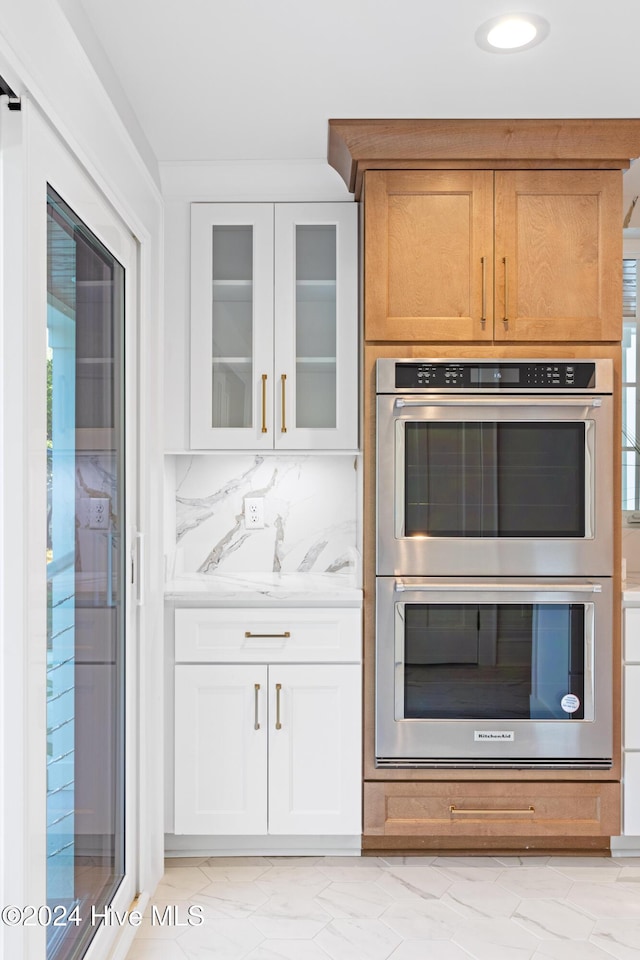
x: 494, y: 735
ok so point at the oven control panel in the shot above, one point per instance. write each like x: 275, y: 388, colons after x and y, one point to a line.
x: 493, y: 375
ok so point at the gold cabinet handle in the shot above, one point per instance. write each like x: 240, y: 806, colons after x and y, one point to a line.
x: 283, y: 381
x: 256, y: 692
x: 483, y: 318
x: 269, y: 636
x: 264, y: 403
x: 458, y: 812
x: 278, y: 691
x: 505, y: 319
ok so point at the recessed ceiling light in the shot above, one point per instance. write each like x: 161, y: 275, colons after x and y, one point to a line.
x: 512, y: 32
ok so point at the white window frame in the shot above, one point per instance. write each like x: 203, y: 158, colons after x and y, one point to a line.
x: 631, y: 440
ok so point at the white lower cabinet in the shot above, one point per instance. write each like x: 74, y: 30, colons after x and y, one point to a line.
x: 315, y: 774
x: 631, y: 723
x: 267, y: 748
x: 221, y: 752
x: 631, y: 818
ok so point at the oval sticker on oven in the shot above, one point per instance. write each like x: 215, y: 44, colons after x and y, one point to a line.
x: 570, y: 703
x: 494, y: 735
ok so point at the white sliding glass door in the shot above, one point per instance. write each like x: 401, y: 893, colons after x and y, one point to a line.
x: 86, y: 569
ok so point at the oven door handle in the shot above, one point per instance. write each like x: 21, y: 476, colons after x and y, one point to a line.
x: 503, y: 401
x: 401, y: 587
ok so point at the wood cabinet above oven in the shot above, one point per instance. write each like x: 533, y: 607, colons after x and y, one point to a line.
x: 489, y: 231
x: 482, y: 255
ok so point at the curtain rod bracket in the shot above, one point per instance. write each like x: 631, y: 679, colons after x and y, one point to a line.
x: 6, y: 91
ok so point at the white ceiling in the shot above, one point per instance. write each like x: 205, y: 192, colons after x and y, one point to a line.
x: 259, y: 79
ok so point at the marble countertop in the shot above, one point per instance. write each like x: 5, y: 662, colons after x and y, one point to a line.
x: 631, y: 588
x: 264, y: 589
x: 291, y: 589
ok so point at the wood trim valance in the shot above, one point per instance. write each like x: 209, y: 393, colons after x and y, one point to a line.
x: 359, y: 145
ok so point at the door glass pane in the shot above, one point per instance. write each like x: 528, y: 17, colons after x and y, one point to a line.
x: 509, y: 661
x: 495, y: 479
x: 316, y: 274
x: 85, y: 599
x: 232, y: 326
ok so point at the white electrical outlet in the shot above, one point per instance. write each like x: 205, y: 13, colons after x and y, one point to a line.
x: 98, y: 513
x: 254, y: 513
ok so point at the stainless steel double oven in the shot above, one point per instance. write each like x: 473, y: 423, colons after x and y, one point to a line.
x: 494, y: 563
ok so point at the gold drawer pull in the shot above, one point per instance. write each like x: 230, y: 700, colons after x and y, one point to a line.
x: 256, y: 722
x: 264, y: 403
x: 505, y: 319
x: 459, y: 812
x: 278, y: 690
x: 283, y: 381
x: 268, y: 636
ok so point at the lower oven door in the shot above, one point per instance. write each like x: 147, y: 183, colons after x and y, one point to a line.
x: 479, y: 673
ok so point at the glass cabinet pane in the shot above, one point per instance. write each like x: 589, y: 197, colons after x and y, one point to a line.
x: 232, y: 326
x: 316, y: 323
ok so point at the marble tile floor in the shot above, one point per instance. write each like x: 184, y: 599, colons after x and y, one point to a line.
x: 395, y: 908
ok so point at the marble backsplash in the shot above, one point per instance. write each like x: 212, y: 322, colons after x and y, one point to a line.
x: 310, y: 511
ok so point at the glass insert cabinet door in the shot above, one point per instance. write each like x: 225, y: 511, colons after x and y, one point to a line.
x: 85, y: 834
x: 273, y: 326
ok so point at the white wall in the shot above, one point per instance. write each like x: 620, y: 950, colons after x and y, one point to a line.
x: 43, y: 60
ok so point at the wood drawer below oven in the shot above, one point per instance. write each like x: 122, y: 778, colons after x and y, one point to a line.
x: 484, y: 815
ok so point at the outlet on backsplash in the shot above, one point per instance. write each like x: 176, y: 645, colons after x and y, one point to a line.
x: 254, y: 513
x: 305, y: 519
x: 94, y: 513
x: 98, y: 513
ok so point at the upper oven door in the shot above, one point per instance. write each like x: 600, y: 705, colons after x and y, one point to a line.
x: 505, y: 486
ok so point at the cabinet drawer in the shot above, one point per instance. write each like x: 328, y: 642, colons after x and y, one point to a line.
x: 632, y: 633
x: 631, y: 795
x: 234, y: 635
x: 631, y: 734
x: 477, y: 810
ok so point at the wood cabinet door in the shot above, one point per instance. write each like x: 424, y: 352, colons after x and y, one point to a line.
x: 558, y: 249
x: 315, y: 767
x: 428, y: 255
x: 221, y: 749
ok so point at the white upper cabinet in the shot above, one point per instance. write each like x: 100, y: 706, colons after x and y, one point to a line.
x: 274, y: 326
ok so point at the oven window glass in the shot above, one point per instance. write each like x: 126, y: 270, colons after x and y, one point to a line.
x: 507, y: 661
x: 513, y: 479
